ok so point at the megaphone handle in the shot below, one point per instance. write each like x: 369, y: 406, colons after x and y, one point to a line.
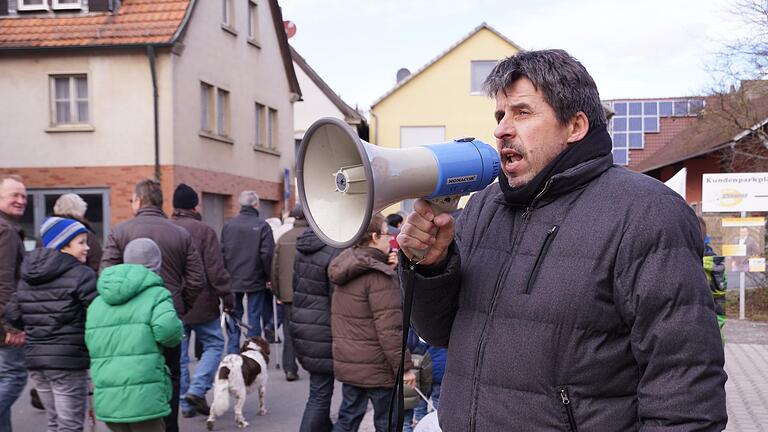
x: 440, y: 205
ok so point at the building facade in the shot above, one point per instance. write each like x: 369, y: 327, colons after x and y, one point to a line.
x: 105, y: 93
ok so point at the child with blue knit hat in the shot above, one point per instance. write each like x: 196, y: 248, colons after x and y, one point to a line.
x: 50, y: 305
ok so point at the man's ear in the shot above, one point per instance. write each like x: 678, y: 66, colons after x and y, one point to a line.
x: 578, y: 127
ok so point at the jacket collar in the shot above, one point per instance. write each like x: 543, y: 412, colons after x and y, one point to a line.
x: 186, y: 213
x: 249, y: 210
x: 13, y: 223
x: 574, y: 164
x: 151, y: 211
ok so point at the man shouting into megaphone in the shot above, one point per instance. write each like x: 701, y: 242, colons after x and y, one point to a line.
x: 570, y: 295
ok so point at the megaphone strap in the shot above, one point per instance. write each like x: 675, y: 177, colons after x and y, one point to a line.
x: 399, y: 384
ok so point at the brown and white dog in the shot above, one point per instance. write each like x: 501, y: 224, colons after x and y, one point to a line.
x: 238, y: 375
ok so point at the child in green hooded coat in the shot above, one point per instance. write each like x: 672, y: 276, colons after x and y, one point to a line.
x: 127, y: 326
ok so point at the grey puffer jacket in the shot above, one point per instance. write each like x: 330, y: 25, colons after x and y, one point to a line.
x: 588, y: 310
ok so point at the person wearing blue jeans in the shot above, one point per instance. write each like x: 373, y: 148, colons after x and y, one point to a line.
x: 354, y: 404
x: 248, y: 245
x: 315, y: 418
x: 210, y: 335
x: 13, y: 378
x: 255, y: 301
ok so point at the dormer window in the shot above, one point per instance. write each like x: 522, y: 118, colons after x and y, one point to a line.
x: 25, y: 5
x: 67, y: 4
x: 45, y: 5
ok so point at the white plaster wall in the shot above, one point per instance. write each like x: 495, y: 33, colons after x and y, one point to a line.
x: 250, y: 74
x: 120, y: 97
x: 315, y: 104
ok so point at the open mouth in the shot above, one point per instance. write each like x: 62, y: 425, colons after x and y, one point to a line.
x: 510, y: 159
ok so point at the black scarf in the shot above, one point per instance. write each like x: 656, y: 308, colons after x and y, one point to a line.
x: 595, y: 144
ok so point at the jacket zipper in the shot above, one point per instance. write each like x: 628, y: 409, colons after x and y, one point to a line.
x: 496, y: 291
x: 566, y: 401
x: 540, y: 257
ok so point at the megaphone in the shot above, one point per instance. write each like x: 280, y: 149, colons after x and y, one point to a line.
x: 343, y: 180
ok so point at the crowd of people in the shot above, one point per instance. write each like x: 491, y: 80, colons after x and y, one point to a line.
x: 571, y: 295
x: 119, y: 319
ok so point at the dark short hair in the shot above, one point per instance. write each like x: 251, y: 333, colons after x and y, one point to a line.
x: 374, y: 227
x: 394, y: 220
x: 565, y: 83
x: 297, y: 212
x: 149, y: 192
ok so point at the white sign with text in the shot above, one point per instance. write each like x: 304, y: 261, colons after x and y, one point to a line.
x: 737, y: 192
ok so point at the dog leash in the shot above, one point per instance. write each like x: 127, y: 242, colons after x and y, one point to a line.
x: 237, y: 322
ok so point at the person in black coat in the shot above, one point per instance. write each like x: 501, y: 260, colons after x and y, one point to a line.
x: 55, y: 289
x: 310, y: 326
x: 248, y: 245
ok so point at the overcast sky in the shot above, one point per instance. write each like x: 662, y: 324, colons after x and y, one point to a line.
x: 638, y: 49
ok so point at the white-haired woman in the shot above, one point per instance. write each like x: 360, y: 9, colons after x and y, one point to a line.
x: 71, y: 205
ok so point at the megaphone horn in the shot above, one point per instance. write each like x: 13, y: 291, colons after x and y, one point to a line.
x: 343, y: 180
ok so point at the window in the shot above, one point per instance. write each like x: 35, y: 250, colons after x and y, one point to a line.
x: 214, y: 112
x: 260, y: 130
x: 40, y: 204
x: 222, y: 112
x: 253, y: 21
x: 32, y: 5
x: 67, y: 4
x: 228, y: 13
x: 206, y: 107
x: 70, y: 99
x: 25, y: 5
x: 480, y: 71
x: 272, y: 128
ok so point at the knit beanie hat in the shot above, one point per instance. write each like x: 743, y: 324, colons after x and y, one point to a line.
x: 145, y: 252
x: 184, y: 197
x: 57, y: 232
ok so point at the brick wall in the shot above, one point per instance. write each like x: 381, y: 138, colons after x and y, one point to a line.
x: 120, y: 181
x: 668, y: 128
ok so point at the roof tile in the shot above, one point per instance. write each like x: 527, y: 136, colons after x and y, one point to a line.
x: 137, y: 22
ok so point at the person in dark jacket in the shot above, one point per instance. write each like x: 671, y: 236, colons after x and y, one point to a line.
x: 282, y: 284
x: 310, y: 326
x: 366, y: 323
x: 570, y: 295
x: 203, y: 318
x: 13, y: 375
x: 55, y: 290
x: 248, y: 246
x: 182, y: 270
x: 73, y: 206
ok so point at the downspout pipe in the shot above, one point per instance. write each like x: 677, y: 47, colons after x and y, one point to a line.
x: 153, y: 69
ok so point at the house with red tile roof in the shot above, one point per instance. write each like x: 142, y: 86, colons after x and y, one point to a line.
x: 706, y: 135
x: 98, y: 94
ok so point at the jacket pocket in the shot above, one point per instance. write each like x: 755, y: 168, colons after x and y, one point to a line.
x: 551, y: 233
x: 566, y: 409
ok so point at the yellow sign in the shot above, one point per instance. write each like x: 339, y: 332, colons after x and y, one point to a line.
x: 730, y: 222
x: 757, y: 265
x: 734, y: 250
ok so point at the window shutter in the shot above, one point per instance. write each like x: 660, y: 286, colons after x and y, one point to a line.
x: 99, y: 5
x: 3, y: 7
